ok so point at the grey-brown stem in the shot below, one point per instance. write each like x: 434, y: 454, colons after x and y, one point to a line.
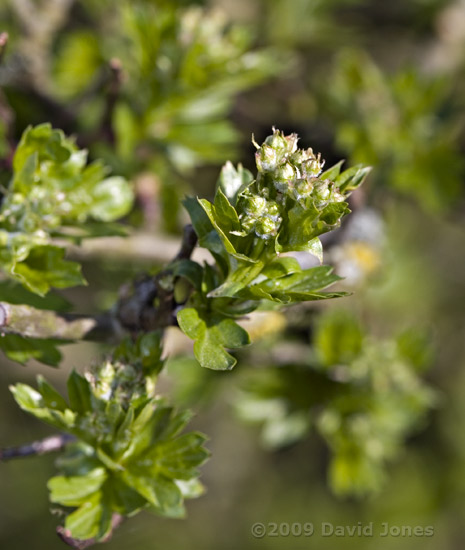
x: 52, y: 444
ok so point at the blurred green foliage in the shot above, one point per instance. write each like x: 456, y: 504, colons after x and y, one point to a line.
x: 377, y: 83
x: 363, y: 397
x: 404, y: 124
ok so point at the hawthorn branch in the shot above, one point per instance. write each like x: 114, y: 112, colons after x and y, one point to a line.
x: 148, y: 304
x: 38, y: 323
x: 188, y: 243
x: 52, y: 444
x: 65, y: 534
x: 3, y: 44
x: 134, y: 311
x: 6, y: 113
x: 112, y: 94
x: 140, y: 247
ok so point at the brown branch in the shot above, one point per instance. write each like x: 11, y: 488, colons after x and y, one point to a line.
x: 148, y: 304
x: 109, y: 82
x: 39, y: 323
x: 144, y: 305
x: 116, y: 78
x: 3, y: 44
x: 189, y: 242
x: 52, y: 444
x: 65, y: 534
x: 7, y: 115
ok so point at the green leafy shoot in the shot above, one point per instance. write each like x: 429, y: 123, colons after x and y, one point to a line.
x: 53, y: 192
x: 250, y: 223
x: 129, y: 454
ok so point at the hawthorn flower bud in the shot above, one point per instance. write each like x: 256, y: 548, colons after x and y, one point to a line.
x: 273, y: 211
x: 303, y: 189
x: 267, y: 158
x: 307, y: 162
x: 322, y: 191
x: 260, y: 216
x: 275, y: 150
x: 266, y: 228
x: 254, y: 205
x: 278, y: 142
x: 284, y: 177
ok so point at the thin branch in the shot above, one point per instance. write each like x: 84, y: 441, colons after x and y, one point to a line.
x: 38, y: 323
x: 7, y: 115
x: 112, y: 95
x: 3, y: 44
x: 52, y: 444
x: 96, y: 86
x: 65, y: 534
x: 189, y: 242
x: 138, y: 247
x: 148, y: 304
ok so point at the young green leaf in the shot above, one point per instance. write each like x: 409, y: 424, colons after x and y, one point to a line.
x: 212, y: 334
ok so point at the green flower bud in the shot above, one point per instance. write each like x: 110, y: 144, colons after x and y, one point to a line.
x: 266, y: 228
x: 267, y: 158
x: 289, y: 175
x: 260, y: 216
x: 182, y: 290
x: 303, y: 189
x: 322, y: 191
x: 248, y: 224
x: 254, y: 205
x: 307, y: 162
x: 284, y: 177
x: 278, y: 142
x: 17, y: 198
x: 273, y: 211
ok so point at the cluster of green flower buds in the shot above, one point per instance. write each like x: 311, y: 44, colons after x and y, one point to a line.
x: 287, y: 172
x: 292, y: 200
x: 259, y: 215
x: 118, y: 382
x: 289, y: 204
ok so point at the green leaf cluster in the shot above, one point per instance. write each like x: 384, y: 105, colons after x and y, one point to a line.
x: 404, y: 124
x: 53, y: 193
x: 246, y: 228
x: 185, y: 66
x: 129, y: 454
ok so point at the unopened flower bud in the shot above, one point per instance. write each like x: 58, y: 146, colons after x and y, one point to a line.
x: 254, y: 205
x: 303, y: 189
x: 284, y: 177
x: 273, y: 211
x: 266, y: 228
x: 267, y: 158
x: 278, y: 142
